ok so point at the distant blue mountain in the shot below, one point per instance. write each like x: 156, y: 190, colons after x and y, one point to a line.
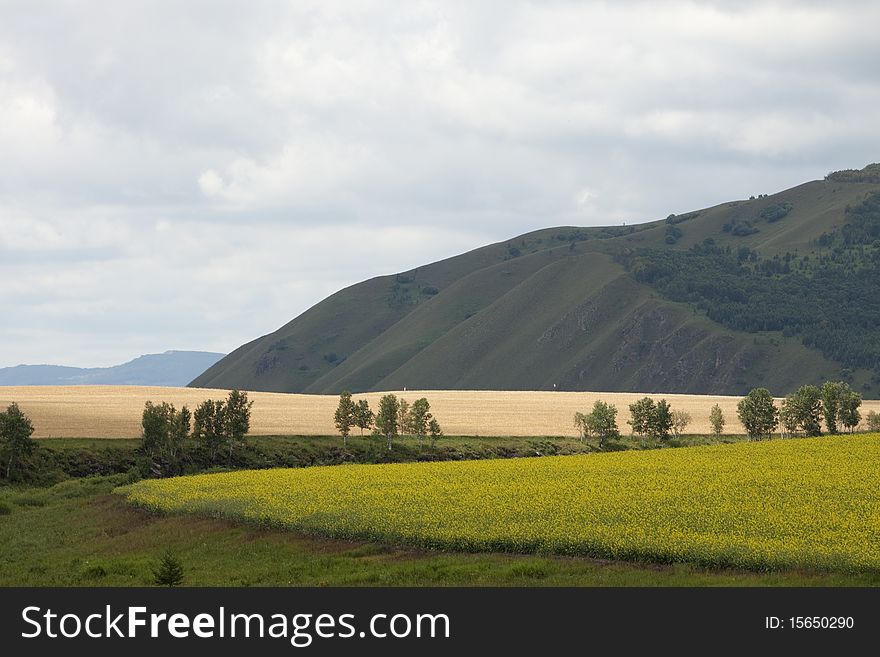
x: 173, y: 368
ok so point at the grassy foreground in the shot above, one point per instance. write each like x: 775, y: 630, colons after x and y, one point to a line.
x: 77, y: 534
x: 812, y: 503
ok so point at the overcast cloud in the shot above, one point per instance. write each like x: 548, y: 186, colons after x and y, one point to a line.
x: 193, y: 175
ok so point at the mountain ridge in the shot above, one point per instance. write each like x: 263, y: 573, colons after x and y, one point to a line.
x: 573, y: 308
x: 170, y: 368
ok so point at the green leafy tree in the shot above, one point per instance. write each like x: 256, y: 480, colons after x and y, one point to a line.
x: 583, y: 426
x: 849, y: 415
x: 344, y: 417
x: 680, y: 422
x: 169, y: 572
x: 642, y: 411
x: 434, y: 431
x: 831, y: 404
x: 236, y: 420
x: 758, y: 413
x: 220, y: 424
x: 788, y: 416
x: 180, y: 428
x: 840, y: 406
x: 601, y: 422
x: 660, y: 423
x: 404, y: 419
x: 716, y: 420
x: 208, y: 425
x: 178, y: 432
x: 155, y: 424
x: 650, y: 418
x: 419, y: 417
x: 16, y: 430
x: 387, y: 417
x: 802, y: 411
x: 363, y: 416
x: 164, y: 430
x: 873, y: 419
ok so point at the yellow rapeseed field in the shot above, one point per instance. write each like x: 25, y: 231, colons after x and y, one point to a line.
x: 115, y: 411
x: 806, y: 503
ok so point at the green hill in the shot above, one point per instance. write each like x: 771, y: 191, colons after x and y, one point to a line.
x: 778, y: 290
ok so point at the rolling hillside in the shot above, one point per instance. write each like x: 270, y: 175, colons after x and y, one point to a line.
x: 172, y: 368
x: 778, y: 290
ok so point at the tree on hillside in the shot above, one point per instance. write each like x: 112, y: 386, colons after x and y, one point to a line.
x: 642, y: 411
x: 680, y: 422
x: 716, y: 420
x: 344, y: 417
x: 363, y: 416
x: 16, y: 430
x: 758, y: 413
x: 387, y: 417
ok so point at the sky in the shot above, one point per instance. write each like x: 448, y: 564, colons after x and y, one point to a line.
x: 194, y: 175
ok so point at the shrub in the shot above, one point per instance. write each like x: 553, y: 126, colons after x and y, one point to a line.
x: 740, y: 228
x: 673, y: 234
x: 776, y: 211
x: 169, y: 572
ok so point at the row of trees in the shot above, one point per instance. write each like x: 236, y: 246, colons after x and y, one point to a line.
x: 395, y: 417
x: 218, y: 425
x: 804, y: 410
x: 648, y: 419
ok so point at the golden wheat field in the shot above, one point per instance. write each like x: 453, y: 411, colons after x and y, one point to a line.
x: 115, y: 411
x: 810, y: 503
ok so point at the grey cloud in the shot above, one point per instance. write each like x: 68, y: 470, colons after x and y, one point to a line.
x: 159, y: 155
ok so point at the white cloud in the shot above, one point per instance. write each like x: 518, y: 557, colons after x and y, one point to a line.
x: 162, y: 159
x: 211, y: 183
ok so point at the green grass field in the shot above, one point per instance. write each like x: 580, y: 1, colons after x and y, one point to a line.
x: 806, y: 503
x: 78, y: 534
